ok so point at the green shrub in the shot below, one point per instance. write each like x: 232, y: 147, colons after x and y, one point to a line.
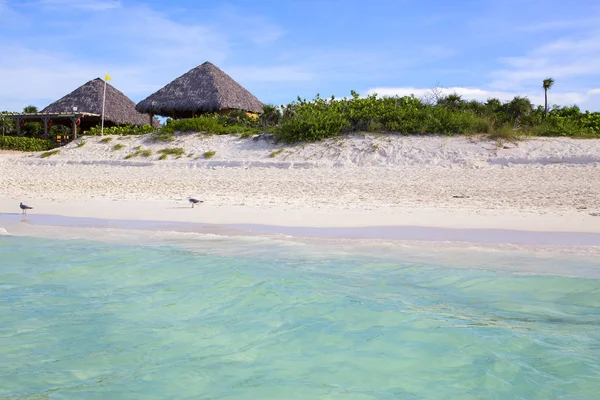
x: 206, y: 123
x: 209, y: 154
x: 317, y: 119
x: 271, y: 116
x: 49, y: 153
x: 105, y: 140
x: 236, y: 122
x: 504, y: 133
x: 145, y: 153
x: 25, y: 144
x: 81, y: 143
x: 118, y: 146
x: 121, y: 130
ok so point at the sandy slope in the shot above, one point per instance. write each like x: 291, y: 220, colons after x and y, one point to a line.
x: 356, y: 150
x: 542, y: 184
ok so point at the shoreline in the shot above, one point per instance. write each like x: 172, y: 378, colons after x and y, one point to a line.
x: 563, y: 253
x: 442, y: 231
x: 364, y: 186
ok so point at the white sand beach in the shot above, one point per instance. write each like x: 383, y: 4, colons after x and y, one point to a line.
x: 550, y: 185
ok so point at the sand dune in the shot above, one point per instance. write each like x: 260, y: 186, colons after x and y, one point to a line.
x: 536, y: 184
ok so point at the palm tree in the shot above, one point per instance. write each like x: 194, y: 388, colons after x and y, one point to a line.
x: 547, y: 85
x: 518, y: 108
x: 453, y: 100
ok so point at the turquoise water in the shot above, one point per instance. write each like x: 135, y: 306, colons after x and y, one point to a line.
x: 90, y: 320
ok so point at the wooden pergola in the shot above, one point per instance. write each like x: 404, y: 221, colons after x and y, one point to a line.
x: 74, y: 118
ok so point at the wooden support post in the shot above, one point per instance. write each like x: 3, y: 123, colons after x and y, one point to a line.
x: 151, y: 119
x: 45, y: 122
x: 18, y: 123
x: 74, y: 128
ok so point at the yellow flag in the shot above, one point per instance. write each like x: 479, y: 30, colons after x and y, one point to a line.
x: 106, y: 77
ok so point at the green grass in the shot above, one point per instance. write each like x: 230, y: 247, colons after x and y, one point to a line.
x: 276, y: 153
x: 163, y: 136
x: 105, y: 140
x: 138, y: 152
x: 81, y: 143
x: 49, y: 153
x: 118, y: 146
x: 503, y: 134
x: 176, y: 152
x: 209, y: 154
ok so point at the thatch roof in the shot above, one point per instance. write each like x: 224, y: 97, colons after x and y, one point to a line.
x: 119, y: 109
x: 203, y: 89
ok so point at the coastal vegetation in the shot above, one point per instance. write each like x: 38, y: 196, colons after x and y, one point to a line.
x: 317, y: 119
x: 209, y: 154
x: 49, y: 153
x: 176, y: 152
x: 163, y: 136
x: 320, y: 118
x: 118, y: 146
x: 25, y: 144
x: 275, y: 153
x: 138, y: 152
x: 120, y: 130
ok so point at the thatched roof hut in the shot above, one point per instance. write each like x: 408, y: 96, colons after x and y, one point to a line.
x: 203, y: 89
x: 119, y: 109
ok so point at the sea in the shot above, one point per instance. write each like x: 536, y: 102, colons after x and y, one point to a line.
x: 106, y: 313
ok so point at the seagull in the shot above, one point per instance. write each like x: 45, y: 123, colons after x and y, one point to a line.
x: 25, y: 208
x: 195, y: 201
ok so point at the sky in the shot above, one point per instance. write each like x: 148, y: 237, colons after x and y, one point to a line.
x: 283, y: 49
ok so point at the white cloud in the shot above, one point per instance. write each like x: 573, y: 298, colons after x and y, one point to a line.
x: 561, y: 59
x: 141, y: 53
x: 587, y: 100
x: 559, y: 25
x: 90, y: 5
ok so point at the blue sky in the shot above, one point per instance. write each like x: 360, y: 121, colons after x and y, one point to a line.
x: 283, y: 49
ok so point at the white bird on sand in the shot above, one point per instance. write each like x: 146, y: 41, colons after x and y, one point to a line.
x: 195, y: 201
x: 25, y: 208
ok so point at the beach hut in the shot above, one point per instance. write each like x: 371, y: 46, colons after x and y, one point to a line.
x: 82, y: 108
x: 118, y: 110
x: 203, y: 89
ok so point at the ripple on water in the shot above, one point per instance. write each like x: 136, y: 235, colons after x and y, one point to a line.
x: 82, y: 319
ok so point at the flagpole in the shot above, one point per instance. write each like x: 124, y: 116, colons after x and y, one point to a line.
x: 103, y: 102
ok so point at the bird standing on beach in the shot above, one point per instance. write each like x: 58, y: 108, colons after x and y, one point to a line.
x: 195, y: 201
x: 25, y: 208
